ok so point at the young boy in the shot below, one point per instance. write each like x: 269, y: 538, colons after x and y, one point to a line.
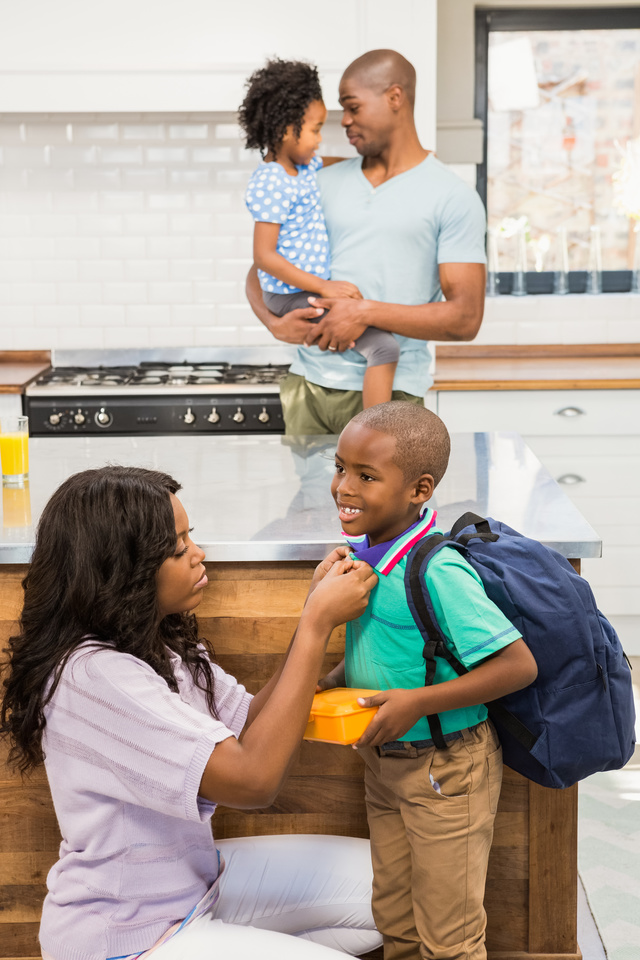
x: 430, y: 811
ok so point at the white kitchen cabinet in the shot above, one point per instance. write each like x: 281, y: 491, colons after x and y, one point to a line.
x: 158, y: 55
x: 589, y: 441
x: 567, y: 413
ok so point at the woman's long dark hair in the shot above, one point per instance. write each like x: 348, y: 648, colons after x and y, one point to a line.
x: 100, y: 542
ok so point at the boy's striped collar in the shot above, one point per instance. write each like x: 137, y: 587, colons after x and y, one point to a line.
x: 384, y: 556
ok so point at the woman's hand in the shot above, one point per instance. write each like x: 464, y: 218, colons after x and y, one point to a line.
x: 337, y: 555
x: 333, y: 289
x: 398, y: 711
x: 342, y: 594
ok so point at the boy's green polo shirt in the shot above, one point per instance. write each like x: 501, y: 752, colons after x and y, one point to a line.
x: 384, y: 645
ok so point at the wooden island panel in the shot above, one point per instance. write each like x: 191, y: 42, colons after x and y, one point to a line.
x: 249, y: 612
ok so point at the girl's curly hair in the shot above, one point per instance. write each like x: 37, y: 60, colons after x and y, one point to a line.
x: 101, y: 540
x: 277, y: 97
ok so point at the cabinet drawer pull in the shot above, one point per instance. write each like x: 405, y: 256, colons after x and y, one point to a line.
x: 570, y: 479
x: 570, y: 412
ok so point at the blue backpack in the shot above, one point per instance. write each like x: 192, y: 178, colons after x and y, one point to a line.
x: 578, y: 716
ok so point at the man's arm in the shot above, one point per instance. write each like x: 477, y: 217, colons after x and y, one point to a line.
x: 458, y: 317
x: 293, y: 327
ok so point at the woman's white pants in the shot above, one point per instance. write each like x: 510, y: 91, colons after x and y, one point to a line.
x: 285, y: 898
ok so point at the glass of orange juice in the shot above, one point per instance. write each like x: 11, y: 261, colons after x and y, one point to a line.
x: 14, y: 449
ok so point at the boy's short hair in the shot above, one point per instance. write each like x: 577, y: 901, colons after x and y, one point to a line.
x: 277, y: 97
x: 422, y: 440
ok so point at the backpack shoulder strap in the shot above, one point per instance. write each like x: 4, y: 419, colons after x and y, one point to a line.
x: 422, y: 612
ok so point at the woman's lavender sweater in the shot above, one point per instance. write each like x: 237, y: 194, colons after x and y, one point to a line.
x: 124, y: 756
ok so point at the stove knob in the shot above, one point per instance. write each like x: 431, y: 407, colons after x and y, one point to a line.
x: 103, y: 418
x: 238, y: 416
x: 79, y: 417
x: 189, y: 416
x: 214, y: 416
x: 54, y: 419
x: 263, y: 416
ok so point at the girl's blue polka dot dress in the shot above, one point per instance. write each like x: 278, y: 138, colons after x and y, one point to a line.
x: 273, y: 196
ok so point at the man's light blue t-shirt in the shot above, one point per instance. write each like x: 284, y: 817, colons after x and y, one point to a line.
x: 389, y: 241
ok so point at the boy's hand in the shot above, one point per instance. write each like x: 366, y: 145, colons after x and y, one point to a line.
x: 398, y: 711
x: 339, y: 288
x: 334, y: 679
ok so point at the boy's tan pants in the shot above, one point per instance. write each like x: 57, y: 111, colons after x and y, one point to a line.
x: 431, y: 815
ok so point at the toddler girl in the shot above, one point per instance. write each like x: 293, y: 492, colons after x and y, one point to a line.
x: 282, y: 115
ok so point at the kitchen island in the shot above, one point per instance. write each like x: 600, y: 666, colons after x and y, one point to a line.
x: 262, y: 511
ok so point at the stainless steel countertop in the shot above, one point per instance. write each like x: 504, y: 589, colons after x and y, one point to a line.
x: 268, y: 498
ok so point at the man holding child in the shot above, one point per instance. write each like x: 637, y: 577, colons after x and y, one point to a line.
x: 406, y: 231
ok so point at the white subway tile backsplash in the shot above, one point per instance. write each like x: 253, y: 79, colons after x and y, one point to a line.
x: 233, y: 269
x: 33, y: 293
x: 115, y: 338
x: 99, y: 225
x: 216, y: 336
x: 142, y: 131
x: 81, y: 248
x: 169, y: 201
x: 75, y: 156
x: 192, y: 224
x: 14, y: 225
x: 80, y: 338
x: 211, y: 154
x: 146, y: 269
x: 170, y: 337
x: 146, y: 178
x: 95, y: 131
x: 149, y: 315
x: 120, y: 155
x: 172, y: 292
x: 191, y: 270
x: 79, y: 292
x: 15, y: 316
x: 125, y: 201
x: 53, y: 225
x: 100, y: 315
x: 125, y: 293
x: 217, y: 292
x: 188, y: 177
x: 16, y: 270
x: 188, y: 131
x: 146, y: 223
x: 57, y: 315
x: 228, y: 131
x: 124, y: 247
x: 167, y: 155
x: 195, y: 316
x: 58, y: 270
x: 170, y: 247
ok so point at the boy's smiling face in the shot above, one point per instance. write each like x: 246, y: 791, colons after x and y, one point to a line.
x: 369, y: 488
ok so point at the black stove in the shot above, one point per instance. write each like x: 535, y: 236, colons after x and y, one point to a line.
x: 156, y: 397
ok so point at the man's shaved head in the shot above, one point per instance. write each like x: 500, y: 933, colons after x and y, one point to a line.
x: 380, y: 69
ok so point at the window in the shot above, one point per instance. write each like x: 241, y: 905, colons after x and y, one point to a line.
x: 558, y: 91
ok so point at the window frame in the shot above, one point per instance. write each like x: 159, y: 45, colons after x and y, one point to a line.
x: 510, y: 20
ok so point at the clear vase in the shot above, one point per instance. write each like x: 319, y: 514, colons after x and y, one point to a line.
x: 594, y: 269
x: 493, y: 280
x: 561, y: 274
x: 635, y: 272
x: 519, y: 288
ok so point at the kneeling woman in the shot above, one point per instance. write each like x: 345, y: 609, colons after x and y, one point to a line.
x: 142, y: 735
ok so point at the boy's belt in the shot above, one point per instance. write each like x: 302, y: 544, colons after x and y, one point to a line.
x: 413, y: 748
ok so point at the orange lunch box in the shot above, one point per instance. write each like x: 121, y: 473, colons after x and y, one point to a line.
x: 336, y: 716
